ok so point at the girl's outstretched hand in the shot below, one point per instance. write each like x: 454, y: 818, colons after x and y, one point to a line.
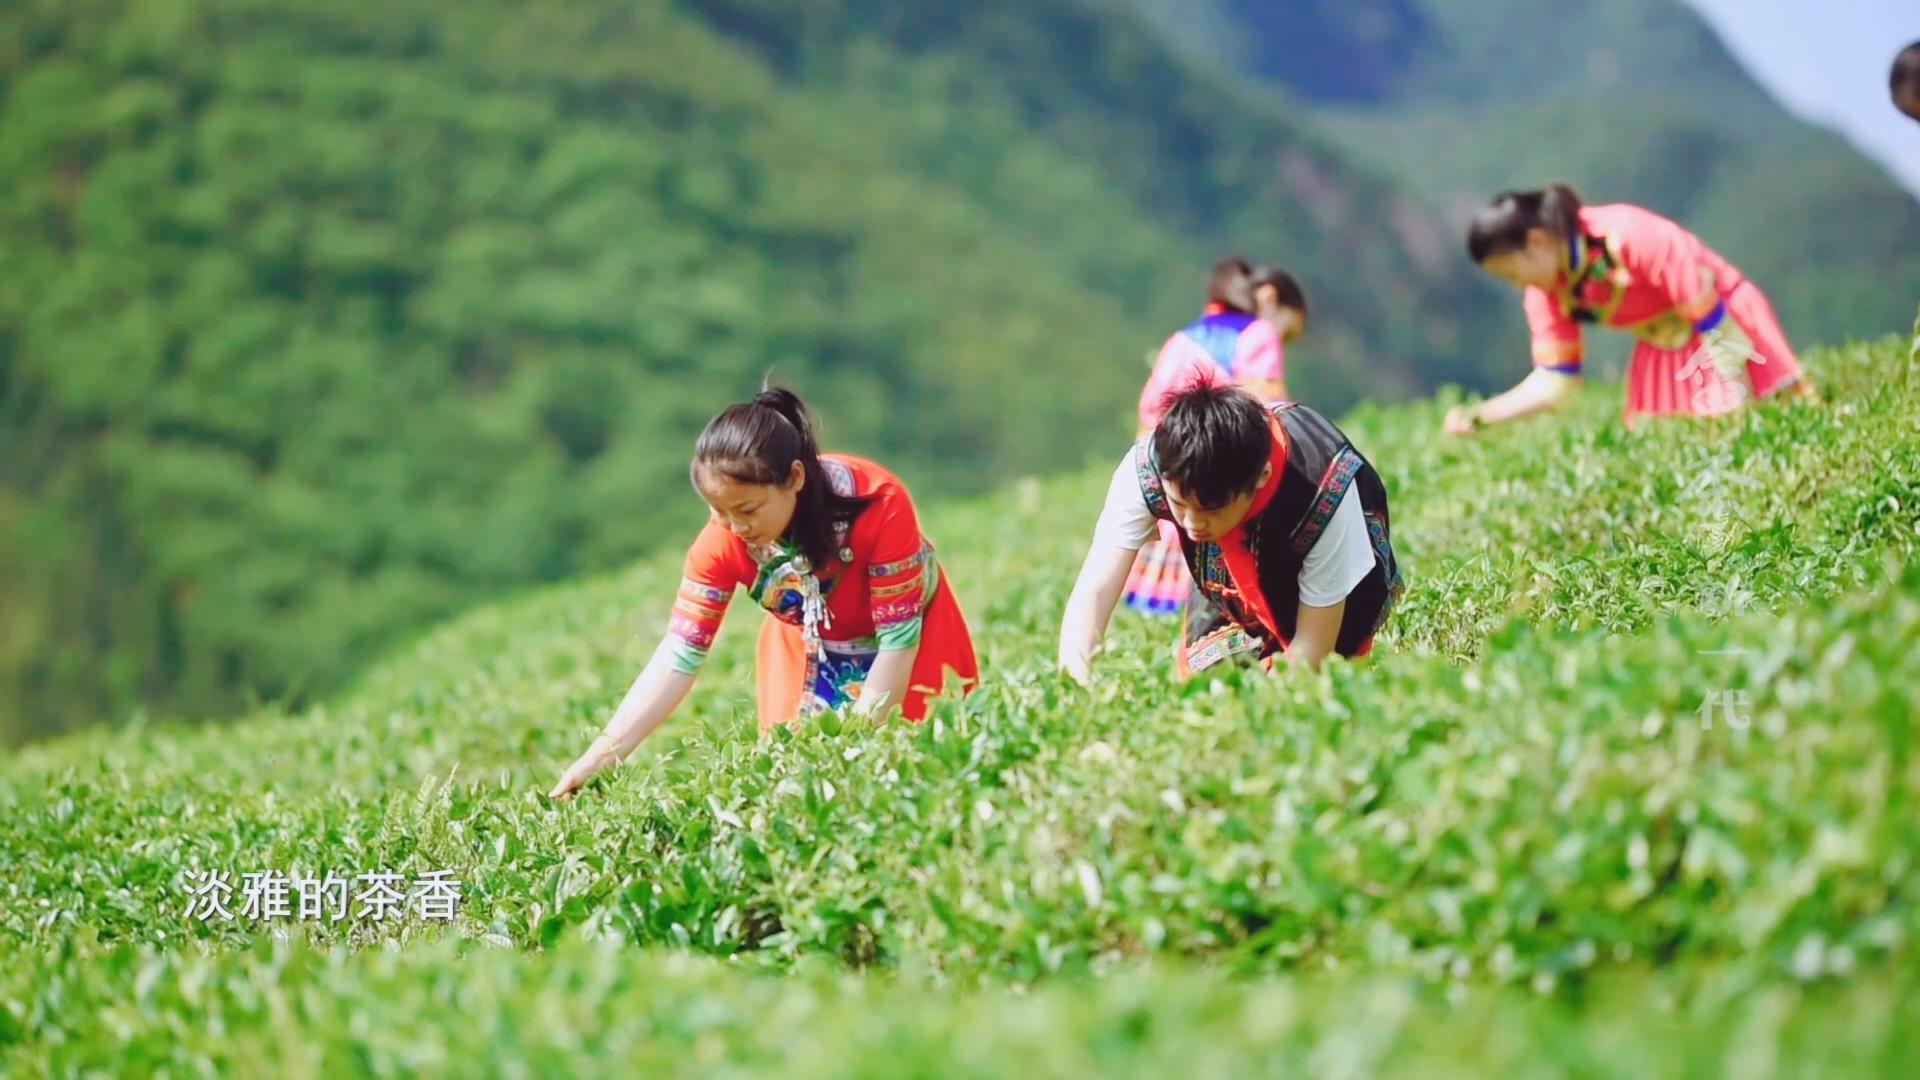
x: 1460, y: 422
x: 598, y: 758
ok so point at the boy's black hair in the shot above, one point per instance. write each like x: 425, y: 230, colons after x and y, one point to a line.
x: 1213, y: 442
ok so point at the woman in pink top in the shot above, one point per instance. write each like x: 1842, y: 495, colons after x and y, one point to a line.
x: 1709, y: 341
x: 1239, y: 338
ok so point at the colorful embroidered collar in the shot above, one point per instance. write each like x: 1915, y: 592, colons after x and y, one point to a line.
x: 1594, y: 282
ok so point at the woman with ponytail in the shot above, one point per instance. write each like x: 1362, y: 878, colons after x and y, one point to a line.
x: 1708, y: 339
x: 860, y: 614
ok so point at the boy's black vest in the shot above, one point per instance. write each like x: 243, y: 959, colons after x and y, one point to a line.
x: 1321, y: 463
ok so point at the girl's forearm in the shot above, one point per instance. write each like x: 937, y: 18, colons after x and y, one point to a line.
x: 656, y: 692
x: 1539, y: 392
x: 1090, y: 608
x: 887, y: 684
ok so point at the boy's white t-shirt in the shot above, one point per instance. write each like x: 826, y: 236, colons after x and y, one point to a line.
x: 1338, y: 561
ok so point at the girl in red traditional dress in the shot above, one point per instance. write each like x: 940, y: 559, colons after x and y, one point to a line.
x: 1709, y: 340
x: 1252, y: 314
x: 860, y: 613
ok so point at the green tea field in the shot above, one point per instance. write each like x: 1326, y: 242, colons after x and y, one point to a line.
x: 1627, y: 789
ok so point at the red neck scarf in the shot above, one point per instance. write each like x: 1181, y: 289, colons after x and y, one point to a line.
x: 1242, y: 563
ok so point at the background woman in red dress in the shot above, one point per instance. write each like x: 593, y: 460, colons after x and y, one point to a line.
x: 1708, y: 339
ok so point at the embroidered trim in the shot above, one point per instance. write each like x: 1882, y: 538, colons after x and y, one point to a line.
x: 693, y: 634
x: 779, y: 587
x: 1595, y: 289
x: 839, y: 477
x: 694, y: 624
x: 694, y: 590
x: 1213, y: 564
x: 699, y: 609
x: 1222, y: 645
x: 788, y: 587
x: 1383, y: 555
x: 895, y: 612
x: 1713, y: 319
x: 900, y: 605
x: 1215, y: 582
x: 837, y: 680
x: 1147, y: 471
x: 1333, y: 486
x: 912, y: 562
x: 889, y: 592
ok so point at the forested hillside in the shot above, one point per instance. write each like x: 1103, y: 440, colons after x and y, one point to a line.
x: 319, y: 320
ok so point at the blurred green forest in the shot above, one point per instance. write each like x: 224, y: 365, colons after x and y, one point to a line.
x: 321, y: 319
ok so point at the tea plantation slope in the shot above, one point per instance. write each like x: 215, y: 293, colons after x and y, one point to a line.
x: 1647, y: 703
